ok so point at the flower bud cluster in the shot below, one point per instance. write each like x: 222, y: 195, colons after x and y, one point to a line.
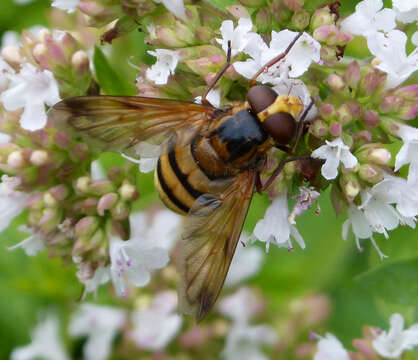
x: 56, y: 51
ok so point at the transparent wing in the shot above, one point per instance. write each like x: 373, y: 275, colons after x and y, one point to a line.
x: 212, y: 230
x: 117, y: 123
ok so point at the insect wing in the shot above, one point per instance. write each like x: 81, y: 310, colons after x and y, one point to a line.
x: 212, y: 230
x: 117, y: 123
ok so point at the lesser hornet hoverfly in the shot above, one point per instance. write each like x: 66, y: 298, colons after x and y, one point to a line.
x: 208, y: 168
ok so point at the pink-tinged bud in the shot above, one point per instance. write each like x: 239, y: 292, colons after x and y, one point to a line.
x: 336, y: 82
x: 409, y: 92
x: 327, y: 34
x: 371, y: 173
x: 51, y: 217
x: 371, y: 118
x: 101, y: 187
x: 352, y: 75
x: 204, y: 34
x: 41, y: 55
x: 39, y: 158
x: 238, y: 11
x: 390, y: 126
x: 335, y: 129
x: 128, y: 192
x: 62, y: 140
x: 343, y: 38
x: 86, y: 226
x: 12, y: 55
x: 80, y: 62
x: 55, y: 51
x: 344, y: 115
x: 372, y: 81
x: 82, y: 185
x: 374, y: 153
x: 319, y: 128
x: 95, y: 10
x: 120, y: 211
x: 294, y: 5
x: 355, y: 109
x: 34, y: 217
x: 363, y: 137
x: 409, y: 112
x: 106, y: 202
x: 366, y: 349
x: 252, y: 3
x: 328, y: 54
x: 79, y: 153
x: 87, y: 206
x: 69, y: 44
x: 35, y: 202
x: 59, y: 192
x: 350, y: 185
x: 43, y: 33
x: 115, y: 174
x: 327, y: 112
x: 49, y: 200
x: 16, y: 160
x: 263, y: 20
x: 203, y: 66
x: 391, y: 104
x: 322, y: 17
x: 300, y: 20
x: 195, y: 337
x: 96, y: 240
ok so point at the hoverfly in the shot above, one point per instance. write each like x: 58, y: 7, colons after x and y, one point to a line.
x: 208, y: 168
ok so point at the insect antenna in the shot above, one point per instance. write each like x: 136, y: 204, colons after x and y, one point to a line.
x: 218, y: 75
x: 274, y: 60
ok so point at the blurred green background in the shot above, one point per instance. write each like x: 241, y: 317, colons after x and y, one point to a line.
x: 29, y: 285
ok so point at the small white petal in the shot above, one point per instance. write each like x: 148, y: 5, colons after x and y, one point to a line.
x: 165, y: 65
x: 329, y: 347
x: 175, y: 6
x: 67, y: 5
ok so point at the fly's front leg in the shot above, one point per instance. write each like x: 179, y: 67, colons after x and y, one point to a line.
x: 263, y: 187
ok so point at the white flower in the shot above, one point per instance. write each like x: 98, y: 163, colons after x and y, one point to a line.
x: 245, y: 263
x: 148, y: 154
x: 146, y: 250
x: 10, y: 38
x: 96, y: 171
x: 390, y: 49
x: 154, y: 327
x: 243, y: 342
x: 369, y: 18
x: 32, y: 244
x: 298, y: 89
x: 12, y: 202
x: 239, y: 36
x: 304, y: 200
x: 333, y: 153
x: 275, y: 226
x: 329, y: 347
x: 406, y: 10
x: 305, y: 51
x: 392, y: 344
x: 408, y: 152
x: 101, y: 276
x: 67, y: 5
x: 214, y: 97
x: 31, y: 89
x: 100, y: 324
x: 165, y: 65
x: 241, y: 306
x: 45, y: 343
x: 175, y: 6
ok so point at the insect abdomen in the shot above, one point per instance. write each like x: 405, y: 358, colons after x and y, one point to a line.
x: 178, y: 179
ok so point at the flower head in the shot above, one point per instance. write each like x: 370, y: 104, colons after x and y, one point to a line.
x: 100, y: 324
x: 31, y: 89
x: 333, y: 153
x: 275, y: 226
x: 393, y: 343
x: 45, y: 344
x: 165, y: 65
x: 154, y: 327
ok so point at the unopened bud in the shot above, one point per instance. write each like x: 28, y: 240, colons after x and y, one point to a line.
x: 252, y: 3
x: 373, y: 80
x: 319, y: 128
x: 128, y: 192
x: 371, y: 173
x: 62, y: 140
x: 101, y: 187
x: 371, y: 118
x: 82, y: 184
x: 86, y: 226
x: 336, y: 82
x: 80, y: 62
x: 238, y: 11
x: 327, y: 34
x: 263, y: 20
x: 344, y: 115
x: 12, y: 55
x: 69, y: 44
x: 50, y: 219
x: 41, y: 55
x: 106, y: 202
x: 391, y: 104
x: 49, y: 200
x: 350, y: 185
x: 87, y: 206
x: 327, y: 112
x: 120, y: 211
x: 79, y: 153
x: 39, y: 157
x: 204, y: 34
x: 35, y: 202
x: 59, y: 192
x: 16, y: 160
x: 335, y: 129
x: 322, y: 17
x: 352, y: 75
x: 300, y: 19
x: 374, y: 153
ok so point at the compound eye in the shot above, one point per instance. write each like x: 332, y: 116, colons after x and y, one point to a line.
x: 281, y: 127
x: 261, y: 97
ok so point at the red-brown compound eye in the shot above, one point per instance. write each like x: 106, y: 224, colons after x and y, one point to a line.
x: 261, y: 97
x: 281, y: 127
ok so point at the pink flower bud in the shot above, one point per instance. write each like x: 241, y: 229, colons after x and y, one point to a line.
x: 86, y: 226
x: 371, y: 173
x: 128, y: 192
x: 370, y: 118
x: 82, y: 184
x: 327, y: 34
x: 344, y: 115
x: 120, y: 211
x: 59, y: 192
x: 319, y: 128
x: 39, y: 158
x: 87, y: 206
x: 300, y: 20
x: 391, y: 104
x: 335, y: 129
x: 238, y: 11
x: 327, y: 112
x: 352, y: 75
x: 350, y: 185
x: 62, y: 140
x: 80, y: 62
x: 321, y: 17
x: 106, y: 202
x: 336, y: 82
x: 16, y: 160
x: 101, y: 187
x: 79, y: 153
x: 12, y: 55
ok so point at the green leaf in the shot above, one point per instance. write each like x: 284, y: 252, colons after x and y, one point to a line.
x: 110, y: 81
x: 394, y: 282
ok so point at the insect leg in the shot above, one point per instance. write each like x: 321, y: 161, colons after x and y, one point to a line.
x: 262, y: 187
x: 218, y: 75
x: 274, y: 60
x: 299, y: 130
